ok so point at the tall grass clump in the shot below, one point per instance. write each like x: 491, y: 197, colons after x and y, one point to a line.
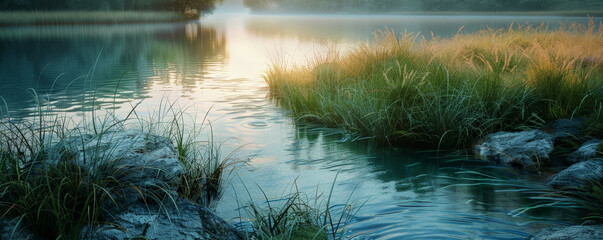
x: 206, y: 166
x: 591, y: 200
x: 404, y: 89
x: 43, y: 182
x: 298, y: 216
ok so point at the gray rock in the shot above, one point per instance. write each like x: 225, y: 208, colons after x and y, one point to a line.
x: 146, y: 164
x: 521, y: 149
x: 566, y: 127
x: 146, y: 161
x: 184, y: 220
x: 578, y: 175
x: 587, y: 151
x: 571, y: 233
x: 12, y: 229
x: 127, y: 148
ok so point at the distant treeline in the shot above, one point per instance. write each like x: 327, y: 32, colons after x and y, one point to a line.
x: 124, y: 5
x: 419, y: 5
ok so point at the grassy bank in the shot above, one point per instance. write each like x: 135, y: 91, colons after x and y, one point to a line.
x: 450, y: 92
x: 86, y: 17
x: 569, y: 13
x: 298, y: 216
x: 44, y: 186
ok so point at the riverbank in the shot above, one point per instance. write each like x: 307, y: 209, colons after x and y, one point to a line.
x: 12, y: 18
x: 124, y: 177
x: 450, y: 93
x: 111, y: 177
x: 404, y: 190
x: 502, y: 90
x: 569, y: 13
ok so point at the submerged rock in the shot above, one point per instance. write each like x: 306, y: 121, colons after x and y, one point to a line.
x: 177, y: 219
x: 587, y: 151
x: 521, y: 149
x: 578, y: 175
x: 571, y: 233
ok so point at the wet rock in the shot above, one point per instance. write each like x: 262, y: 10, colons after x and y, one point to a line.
x: 11, y: 229
x: 179, y: 219
x: 521, y: 149
x: 571, y: 233
x: 586, y: 152
x: 128, y: 148
x: 565, y: 127
x: 145, y: 164
x: 146, y: 161
x: 578, y: 175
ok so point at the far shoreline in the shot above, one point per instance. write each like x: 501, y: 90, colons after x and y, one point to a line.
x: 43, y: 18
x: 569, y: 13
x: 57, y: 18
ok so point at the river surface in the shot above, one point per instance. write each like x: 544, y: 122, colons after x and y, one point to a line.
x: 218, y: 63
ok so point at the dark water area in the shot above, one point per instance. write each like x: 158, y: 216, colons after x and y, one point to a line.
x: 218, y: 62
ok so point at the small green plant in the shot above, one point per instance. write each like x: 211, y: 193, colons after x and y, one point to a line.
x: 593, y: 124
x: 58, y: 201
x: 42, y: 183
x: 591, y: 199
x: 205, y: 165
x: 295, y: 216
x: 205, y: 172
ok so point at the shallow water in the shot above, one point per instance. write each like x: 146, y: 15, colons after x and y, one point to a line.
x: 218, y: 63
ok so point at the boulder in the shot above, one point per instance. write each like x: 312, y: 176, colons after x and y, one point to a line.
x: 145, y: 164
x: 566, y: 127
x: 578, y: 175
x: 176, y: 218
x: 128, y: 148
x: 146, y: 161
x: 571, y: 233
x: 525, y: 149
x: 587, y: 151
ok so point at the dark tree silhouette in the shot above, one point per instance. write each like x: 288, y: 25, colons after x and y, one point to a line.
x: 189, y: 7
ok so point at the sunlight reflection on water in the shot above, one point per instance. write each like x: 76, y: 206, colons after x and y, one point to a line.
x: 218, y: 63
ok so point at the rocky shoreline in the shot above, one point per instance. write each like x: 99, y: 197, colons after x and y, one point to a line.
x: 532, y: 150
x: 150, y: 164
x: 151, y: 208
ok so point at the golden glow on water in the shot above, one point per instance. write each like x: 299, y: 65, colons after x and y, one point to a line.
x: 192, y: 31
x: 218, y: 63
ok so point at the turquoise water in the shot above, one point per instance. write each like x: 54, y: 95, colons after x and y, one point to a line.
x: 218, y: 62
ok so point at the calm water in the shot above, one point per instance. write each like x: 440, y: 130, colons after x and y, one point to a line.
x: 218, y: 63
